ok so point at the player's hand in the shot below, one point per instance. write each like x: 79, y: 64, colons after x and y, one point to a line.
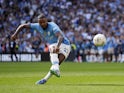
x: 13, y: 37
x: 56, y: 50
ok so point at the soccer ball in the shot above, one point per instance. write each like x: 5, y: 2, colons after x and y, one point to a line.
x: 99, y: 40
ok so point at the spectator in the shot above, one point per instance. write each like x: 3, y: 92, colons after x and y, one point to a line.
x: 13, y: 49
x: 78, y: 19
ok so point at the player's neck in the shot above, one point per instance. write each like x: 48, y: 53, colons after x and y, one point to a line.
x: 45, y: 27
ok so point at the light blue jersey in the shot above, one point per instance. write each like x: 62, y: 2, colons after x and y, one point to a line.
x: 49, y: 33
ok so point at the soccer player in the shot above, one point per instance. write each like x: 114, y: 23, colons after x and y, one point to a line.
x: 12, y: 48
x: 59, y: 45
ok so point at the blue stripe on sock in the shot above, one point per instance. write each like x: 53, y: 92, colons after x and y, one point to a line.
x: 55, y: 63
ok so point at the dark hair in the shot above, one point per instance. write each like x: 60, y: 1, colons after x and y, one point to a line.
x: 41, y: 16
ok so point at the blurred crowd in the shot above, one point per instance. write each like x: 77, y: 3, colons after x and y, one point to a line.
x: 80, y: 20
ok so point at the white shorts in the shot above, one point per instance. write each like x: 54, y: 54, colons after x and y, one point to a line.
x: 64, y: 49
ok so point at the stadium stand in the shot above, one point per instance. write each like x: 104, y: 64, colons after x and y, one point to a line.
x: 79, y: 19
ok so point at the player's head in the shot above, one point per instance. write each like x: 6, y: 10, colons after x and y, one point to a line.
x: 42, y: 20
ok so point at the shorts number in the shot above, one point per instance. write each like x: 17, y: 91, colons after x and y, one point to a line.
x: 66, y: 50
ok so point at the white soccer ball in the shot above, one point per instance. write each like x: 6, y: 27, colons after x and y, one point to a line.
x: 99, y: 40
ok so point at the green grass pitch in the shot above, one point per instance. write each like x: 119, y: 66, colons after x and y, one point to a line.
x: 20, y: 77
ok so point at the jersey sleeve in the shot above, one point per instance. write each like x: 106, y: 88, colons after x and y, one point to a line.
x: 33, y: 26
x: 56, y: 28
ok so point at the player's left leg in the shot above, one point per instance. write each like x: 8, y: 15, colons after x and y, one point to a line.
x: 53, y: 70
x: 44, y: 80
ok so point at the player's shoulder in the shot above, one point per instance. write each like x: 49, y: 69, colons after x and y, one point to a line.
x: 52, y: 23
x: 34, y: 23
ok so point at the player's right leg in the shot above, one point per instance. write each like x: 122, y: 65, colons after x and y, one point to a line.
x: 56, y: 60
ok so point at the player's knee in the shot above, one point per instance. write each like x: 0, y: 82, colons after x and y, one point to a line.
x: 61, y: 57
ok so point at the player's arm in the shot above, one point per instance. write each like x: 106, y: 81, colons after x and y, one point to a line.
x: 14, y: 36
x: 58, y: 33
x: 60, y: 39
